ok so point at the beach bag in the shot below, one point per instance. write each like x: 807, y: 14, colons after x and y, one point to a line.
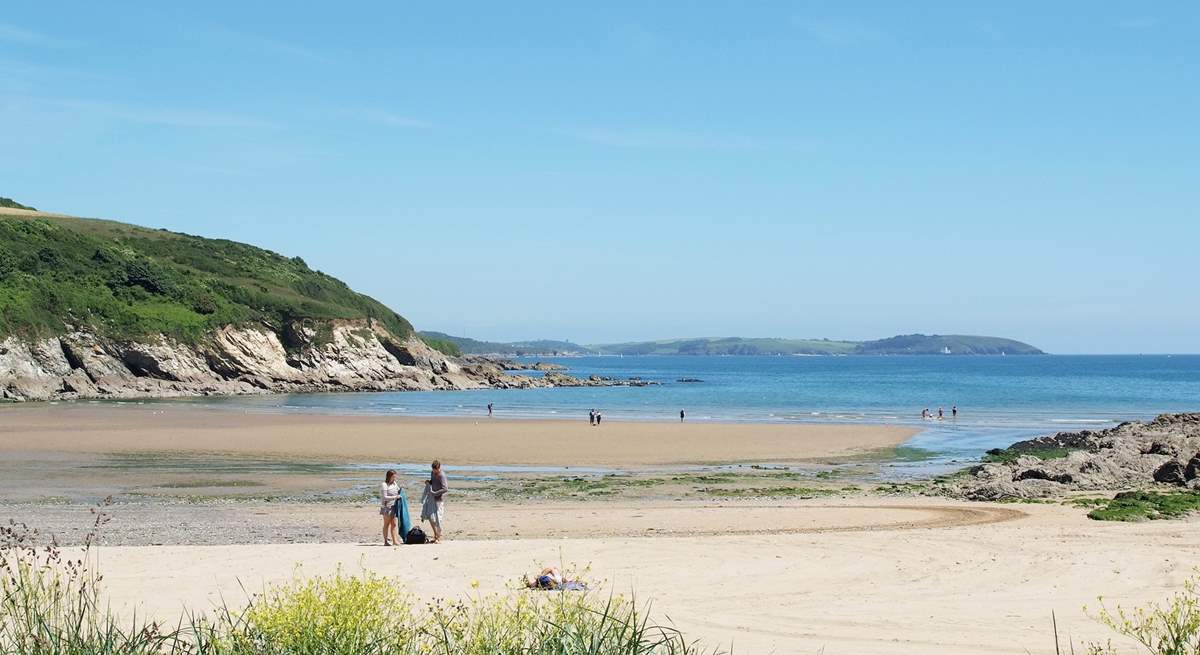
x: 415, y: 536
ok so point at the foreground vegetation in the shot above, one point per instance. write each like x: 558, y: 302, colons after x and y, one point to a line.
x: 50, y: 604
x: 1169, y: 628
x: 126, y: 281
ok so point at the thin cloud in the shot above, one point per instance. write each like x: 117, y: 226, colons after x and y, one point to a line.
x: 268, y: 45
x: 662, y: 139
x: 22, y: 36
x: 384, y: 117
x: 1137, y: 23
x: 159, y: 115
x: 839, y: 31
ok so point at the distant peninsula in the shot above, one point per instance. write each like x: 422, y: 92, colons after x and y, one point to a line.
x: 466, y: 346
x: 909, y: 344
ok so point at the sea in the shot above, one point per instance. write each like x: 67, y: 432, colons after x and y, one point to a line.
x: 1000, y: 399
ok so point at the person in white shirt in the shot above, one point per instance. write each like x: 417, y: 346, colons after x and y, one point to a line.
x: 389, y: 492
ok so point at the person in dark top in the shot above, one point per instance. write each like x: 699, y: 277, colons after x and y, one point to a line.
x: 433, y: 507
x: 954, y: 411
x: 489, y: 409
x: 592, y: 417
x: 681, y: 416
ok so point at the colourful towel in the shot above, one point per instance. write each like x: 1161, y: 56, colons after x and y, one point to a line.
x: 403, y: 520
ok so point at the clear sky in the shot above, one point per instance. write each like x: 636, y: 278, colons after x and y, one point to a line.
x: 632, y: 170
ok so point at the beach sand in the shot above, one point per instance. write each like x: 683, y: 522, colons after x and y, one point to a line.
x: 833, y: 564
x: 180, y: 427
x: 897, y: 576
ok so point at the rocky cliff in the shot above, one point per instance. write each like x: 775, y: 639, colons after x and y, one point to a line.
x: 342, y: 355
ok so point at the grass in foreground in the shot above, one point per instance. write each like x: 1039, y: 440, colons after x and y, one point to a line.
x: 1143, y: 506
x: 1171, y: 628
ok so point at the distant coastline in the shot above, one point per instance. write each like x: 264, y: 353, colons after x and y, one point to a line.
x: 908, y: 344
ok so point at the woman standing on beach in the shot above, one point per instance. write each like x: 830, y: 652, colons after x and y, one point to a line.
x: 389, y: 492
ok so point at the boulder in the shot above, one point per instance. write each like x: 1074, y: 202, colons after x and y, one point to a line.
x: 1173, y: 472
x: 1042, y: 474
x: 1192, y: 471
x: 1160, y: 448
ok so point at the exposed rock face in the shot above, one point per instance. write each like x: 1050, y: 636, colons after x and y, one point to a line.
x: 326, y: 356
x: 1128, y: 456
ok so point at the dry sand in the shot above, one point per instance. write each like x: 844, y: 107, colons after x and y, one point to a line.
x: 912, y: 576
x: 179, y: 427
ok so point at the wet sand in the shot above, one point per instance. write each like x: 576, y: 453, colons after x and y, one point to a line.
x: 180, y: 427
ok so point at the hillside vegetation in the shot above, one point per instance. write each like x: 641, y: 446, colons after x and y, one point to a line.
x: 58, y: 273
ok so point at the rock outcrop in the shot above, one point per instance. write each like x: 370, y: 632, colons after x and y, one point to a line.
x: 1163, y: 452
x: 309, y: 356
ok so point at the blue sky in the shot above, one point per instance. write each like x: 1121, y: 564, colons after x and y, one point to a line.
x: 632, y: 170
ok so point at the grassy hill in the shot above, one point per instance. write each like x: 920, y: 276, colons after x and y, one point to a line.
x: 476, y: 347
x: 945, y: 344
x: 126, y: 281
x: 913, y: 344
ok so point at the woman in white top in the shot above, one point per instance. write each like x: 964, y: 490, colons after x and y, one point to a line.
x: 389, y: 492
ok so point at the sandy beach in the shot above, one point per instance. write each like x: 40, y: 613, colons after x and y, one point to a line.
x: 180, y: 427
x: 812, y: 553
x: 911, y: 576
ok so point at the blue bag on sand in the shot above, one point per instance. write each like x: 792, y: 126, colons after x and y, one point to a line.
x: 404, y: 522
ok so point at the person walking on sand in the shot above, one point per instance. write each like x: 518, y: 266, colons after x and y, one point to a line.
x: 389, y: 493
x: 598, y: 417
x: 433, y: 506
x: 681, y: 416
x: 592, y: 418
x: 489, y: 410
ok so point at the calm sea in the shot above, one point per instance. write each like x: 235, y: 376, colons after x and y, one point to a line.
x: 1000, y: 399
